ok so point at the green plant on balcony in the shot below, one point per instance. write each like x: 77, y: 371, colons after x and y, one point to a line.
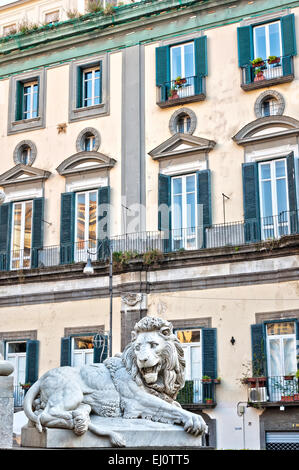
x: 173, y: 93
x: 109, y: 9
x: 209, y: 401
x: 186, y: 395
x: 25, y: 386
x: 258, y: 62
x: 152, y: 257
x: 273, y: 59
x: 122, y: 258
x: 206, y: 379
x: 179, y: 82
x: 94, y: 6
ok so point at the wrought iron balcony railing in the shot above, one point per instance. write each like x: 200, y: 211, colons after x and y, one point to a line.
x: 19, y: 395
x: 275, y: 389
x: 181, y: 89
x: 198, y: 392
x: 138, y: 243
x: 268, y: 70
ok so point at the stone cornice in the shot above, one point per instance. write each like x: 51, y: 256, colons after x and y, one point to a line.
x: 147, y: 19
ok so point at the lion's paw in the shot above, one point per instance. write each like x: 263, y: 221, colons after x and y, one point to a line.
x: 117, y: 440
x: 195, y: 425
x: 80, y: 425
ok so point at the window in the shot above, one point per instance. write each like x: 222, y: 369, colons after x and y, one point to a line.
x: 191, y: 343
x: 52, y: 17
x: 269, y: 103
x: 91, y: 87
x: 82, y: 350
x: 281, y: 359
x: 88, y: 140
x: 180, y: 72
x: 184, y: 190
x: 86, y: 225
x: 184, y: 124
x: 269, y: 107
x: 21, y: 235
x: 274, y: 198
x: 25, y: 153
x: 183, y: 120
x: 266, y: 50
x: 30, y: 100
x: 27, y: 102
x: 16, y: 354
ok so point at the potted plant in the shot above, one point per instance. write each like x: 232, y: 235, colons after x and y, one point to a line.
x: 206, y: 379
x: 217, y: 381
x: 25, y: 386
x: 289, y: 377
x: 208, y: 401
x: 179, y: 82
x: 258, y: 62
x: 259, y: 74
x: 273, y: 59
x: 287, y: 398
x: 173, y: 93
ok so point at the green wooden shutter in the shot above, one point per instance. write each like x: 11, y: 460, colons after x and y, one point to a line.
x: 201, y: 63
x: 79, y: 87
x: 288, y: 34
x: 258, y: 350
x: 19, y: 100
x: 37, y: 230
x: 67, y: 226
x: 101, y: 353
x: 204, y: 204
x: 164, y: 209
x: 65, y: 351
x: 5, y: 235
x: 163, y: 70
x: 103, y: 221
x: 101, y: 81
x: 209, y: 360
x: 251, y: 202
x: 293, y: 214
x: 245, y: 50
x: 32, y: 354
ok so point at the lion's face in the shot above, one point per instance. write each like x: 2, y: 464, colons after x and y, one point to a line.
x: 148, y: 348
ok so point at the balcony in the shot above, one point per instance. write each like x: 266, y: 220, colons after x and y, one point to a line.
x: 273, y: 391
x: 198, y: 393
x: 180, y: 91
x: 267, y: 73
x: 136, y: 245
x: 19, y: 395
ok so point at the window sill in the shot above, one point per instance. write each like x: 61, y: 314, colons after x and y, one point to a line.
x: 79, y: 114
x: 179, y: 101
x: 267, y: 82
x: 24, y: 125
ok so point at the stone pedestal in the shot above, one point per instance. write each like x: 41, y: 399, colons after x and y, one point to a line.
x: 6, y: 411
x: 138, y: 433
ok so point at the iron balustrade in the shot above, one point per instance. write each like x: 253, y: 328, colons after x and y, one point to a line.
x: 267, y: 70
x: 180, y: 89
x: 198, y: 392
x: 233, y: 234
x: 19, y: 395
x: 274, y: 389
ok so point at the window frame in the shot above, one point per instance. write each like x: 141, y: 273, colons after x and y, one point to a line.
x: 86, y: 241
x: 15, y: 125
x: 77, y: 67
x: 22, y: 256
x: 266, y: 25
x: 181, y: 46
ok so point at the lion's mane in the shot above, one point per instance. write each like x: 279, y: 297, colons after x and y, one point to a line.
x: 173, y: 363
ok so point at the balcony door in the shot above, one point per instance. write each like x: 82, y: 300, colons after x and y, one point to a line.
x: 274, y: 201
x: 267, y: 42
x: 86, y: 225
x: 16, y: 354
x: 191, y: 344
x: 21, y: 235
x: 182, y: 65
x: 184, y: 210
x: 281, y: 359
x: 82, y: 351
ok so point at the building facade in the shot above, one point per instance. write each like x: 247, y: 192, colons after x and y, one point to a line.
x: 165, y: 133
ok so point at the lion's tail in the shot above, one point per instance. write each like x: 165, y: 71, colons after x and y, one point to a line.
x: 28, y: 402
x: 115, y: 439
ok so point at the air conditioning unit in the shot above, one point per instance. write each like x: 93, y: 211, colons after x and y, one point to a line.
x: 258, y: 394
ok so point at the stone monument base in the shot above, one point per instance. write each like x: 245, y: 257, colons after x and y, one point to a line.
x: 138, y: 433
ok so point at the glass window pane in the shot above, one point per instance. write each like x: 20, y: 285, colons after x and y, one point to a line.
x: 265, y: 171
x: 15, y: 348
x: 189, y: 60
x: 281, y: 328
x: 275, y: 357
x: 177, y: 212
x: 260, y: 42
x: 177, y: 185
x: 191, y: 220
x: 28, y: 224
x: 17, y: 227
x: 83, y: 342
x: 195, y: 362
x: 80, y: 217
x: 176, y: 62
x: 190, y: 183
x: 89, y: 357
x: 267, y: 199
x: 280, y: 168
x: 189, y: 336
x: 290, y: 363
x: 274, y: 39
x: 282, y: 203
x: 92, y: 216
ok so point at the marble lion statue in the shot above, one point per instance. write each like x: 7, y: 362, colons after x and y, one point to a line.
x: 142, y: 382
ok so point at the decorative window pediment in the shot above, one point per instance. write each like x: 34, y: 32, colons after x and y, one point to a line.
x: 267, y: 128
x: 87, y: 161
x: 180, y: 145
x: 21, y: 174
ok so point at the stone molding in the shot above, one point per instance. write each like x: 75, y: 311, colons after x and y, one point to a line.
x: 269, y: 94
x: 18, y: 335
x: 261, y: 317
x: 77, y: 330
x: 18, y: 148
x: 88, y: 130
x: 72, y: 165
x: 175, y: 116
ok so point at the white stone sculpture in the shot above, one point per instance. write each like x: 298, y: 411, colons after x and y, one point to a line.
x: 142, y: 382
